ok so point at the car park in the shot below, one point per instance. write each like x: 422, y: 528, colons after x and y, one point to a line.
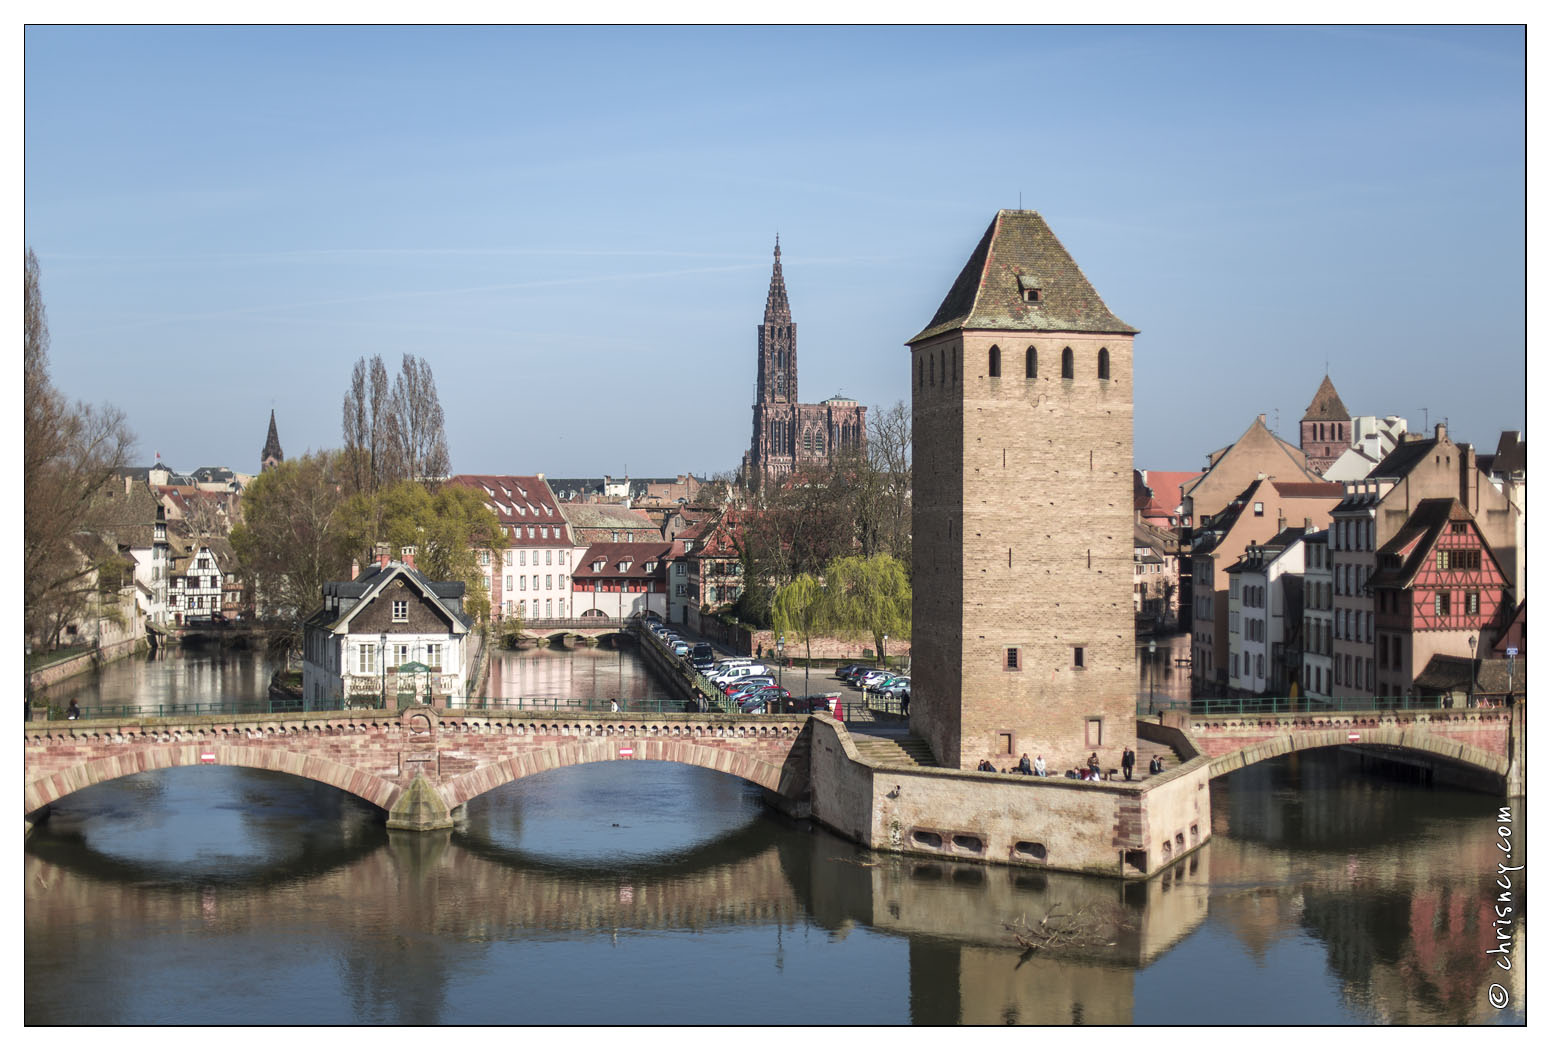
x: 845, y: 671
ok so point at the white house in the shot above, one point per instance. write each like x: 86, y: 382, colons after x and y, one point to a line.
x: 387, y: 637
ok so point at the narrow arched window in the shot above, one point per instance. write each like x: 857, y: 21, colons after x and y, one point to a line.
x: 1103, y: 363
x: 996, y: 361
x: 1066, y: 363
x: 920, y: 373
x: 955, y: 373
x: 931, y: 372
x: 1031, y: 363
x: 942, y: 365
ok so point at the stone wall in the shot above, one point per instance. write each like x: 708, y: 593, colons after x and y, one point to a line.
x: 1104, y: 828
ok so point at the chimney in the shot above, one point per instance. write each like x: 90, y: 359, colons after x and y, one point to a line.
x: 1440, y: 431
x: 1469, y: 482
x: 382, y: 554
x: 355, y: 568
x: 1262, y: 419
x: 407, y: 553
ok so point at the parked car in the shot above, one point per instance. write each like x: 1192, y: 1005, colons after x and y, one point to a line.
x: 844, y: 672
x: 681, y: 648
x: 703, y: 665
x: 855, y: 676
x: 746, y: 686
x: 766, y: 698
x: 703, y: 651
x: 895, y: 686
x: 873, y: 678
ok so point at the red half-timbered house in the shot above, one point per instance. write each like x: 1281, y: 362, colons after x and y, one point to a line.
x: 622, y: 580
x: 1438, y: 589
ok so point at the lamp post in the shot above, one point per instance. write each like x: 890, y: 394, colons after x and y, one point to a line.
x: 781, y: 660
x: 1152, y: 656
x: 382, y: 657
x: 883, y: 653
x: 1470, y: 693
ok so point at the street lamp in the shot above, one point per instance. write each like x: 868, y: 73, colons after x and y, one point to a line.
x: 1152, y: 657
x: 1470, y: 693
x: 382, y: 658
x: 781, y: 660
x: 883, y: 653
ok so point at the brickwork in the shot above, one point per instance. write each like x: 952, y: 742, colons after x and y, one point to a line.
x: 1474, y: 737
x: 378, y: 755
x: 1023, y: 621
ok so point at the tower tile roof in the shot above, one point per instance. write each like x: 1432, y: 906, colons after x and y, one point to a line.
x: 272, y: 443
x: 1017, y: 255
x: 1326, y: 406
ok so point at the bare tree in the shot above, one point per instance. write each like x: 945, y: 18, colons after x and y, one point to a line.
x: 372, y: 453
x: 418, y: 423
x: 72, y: 459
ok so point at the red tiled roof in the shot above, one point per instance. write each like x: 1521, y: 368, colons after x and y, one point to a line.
x: 519, y: 500
x: 613, y: 554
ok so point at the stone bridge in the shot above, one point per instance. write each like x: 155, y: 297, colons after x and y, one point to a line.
x: 1487, y: 740
x: 419, y: 764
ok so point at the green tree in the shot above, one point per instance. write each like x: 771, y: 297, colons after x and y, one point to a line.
x: 870, y: 596
x: 800, y: 609
x: 292, y: 538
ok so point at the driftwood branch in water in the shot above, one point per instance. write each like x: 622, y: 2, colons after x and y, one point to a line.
x: 1055, y: 930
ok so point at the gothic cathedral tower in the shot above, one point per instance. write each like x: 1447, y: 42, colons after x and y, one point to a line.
x: 271, y: 454
x: 1023, y: 637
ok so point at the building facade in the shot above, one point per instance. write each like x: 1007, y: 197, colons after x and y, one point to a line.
x: 1022, y: 633
x: 1317, y: 615
x: 787, y: 434
x: 1326, y: 429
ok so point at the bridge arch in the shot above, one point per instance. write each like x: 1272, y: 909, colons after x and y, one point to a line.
x: 769, y: 770
x: 42, y: 791
x: 1369, y: 732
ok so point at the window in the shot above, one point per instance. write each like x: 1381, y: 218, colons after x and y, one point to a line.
x: 548, y: 606
x: 995, y: 364
x: 549, y: 558
x: 366, y: 658
x: 562, y: 558
x: 1095, y: 727
x: 1442, y: 560
x: 1472, y: 602
x: 522, y: 582
x: 918, y: 373
x: 1031, y: 363
x: 1077, y: 657
x: 508, y: 582
x: 1260, y: 509
x: 433, y: 656
x: 1103, y: 363
x: 1011, y: 663
x: 616, y: 536
x: 522, y: 558
x: 400, y: 654
x: 1066, y: 363
x: 400, y: 611
x: 1441, y: 603
x: 549, y: 582
x: 484, y: 558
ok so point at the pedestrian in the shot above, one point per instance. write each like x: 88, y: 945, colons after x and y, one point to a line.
x: 613, y: 705
x: 1127, y: 761
x: 759, y: 651
x: 72, y: 712
x: 1025, y: 767
x: 1039, y: 766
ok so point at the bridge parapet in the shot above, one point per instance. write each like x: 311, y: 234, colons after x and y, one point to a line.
x: 394, y: 759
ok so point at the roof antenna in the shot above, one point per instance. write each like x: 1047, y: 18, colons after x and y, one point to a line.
x: 1020, y: 200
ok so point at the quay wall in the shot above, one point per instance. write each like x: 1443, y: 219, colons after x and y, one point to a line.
x: 82, y: 663
x: 1110, y: 828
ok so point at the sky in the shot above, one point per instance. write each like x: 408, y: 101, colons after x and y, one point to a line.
x: 574, y: 226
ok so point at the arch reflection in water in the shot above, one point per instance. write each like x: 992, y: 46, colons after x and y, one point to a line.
x: 483, y: 925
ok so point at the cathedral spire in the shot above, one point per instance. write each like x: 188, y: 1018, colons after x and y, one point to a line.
x: 271, y: 454
x: 776, y: 307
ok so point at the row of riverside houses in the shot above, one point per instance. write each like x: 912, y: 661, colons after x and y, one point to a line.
x: 1364, y: 563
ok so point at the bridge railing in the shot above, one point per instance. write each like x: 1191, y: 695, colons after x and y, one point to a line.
x: 166, y: 711
x: 578, y: 704
x: 1290, y: 705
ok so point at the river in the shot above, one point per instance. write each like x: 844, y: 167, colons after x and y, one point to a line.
x: 651, y: 893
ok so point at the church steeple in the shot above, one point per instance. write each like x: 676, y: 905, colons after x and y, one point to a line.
x: 777, y: 380
x: 776, y: 307
x: 271, y: 454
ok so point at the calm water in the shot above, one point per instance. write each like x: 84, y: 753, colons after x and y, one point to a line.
x: 652, y: 893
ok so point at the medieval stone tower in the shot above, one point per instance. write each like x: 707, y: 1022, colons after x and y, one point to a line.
x: 1023, y: 638
x: 1325, y: 432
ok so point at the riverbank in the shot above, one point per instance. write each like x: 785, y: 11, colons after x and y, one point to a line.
x: 47, y: 675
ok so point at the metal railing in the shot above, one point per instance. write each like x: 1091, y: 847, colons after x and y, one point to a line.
x: 1294, y: 705
x: 579, y: 704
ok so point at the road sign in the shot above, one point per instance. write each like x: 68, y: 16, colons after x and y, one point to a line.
x: 1354, y: 736
x: 1513, y: 651
x: 207, y: 757
x: 626, y: 753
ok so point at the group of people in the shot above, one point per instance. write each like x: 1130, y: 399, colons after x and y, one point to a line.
x: 1088, y: 772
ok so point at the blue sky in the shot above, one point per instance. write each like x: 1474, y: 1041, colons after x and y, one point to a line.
x: 574, y: 226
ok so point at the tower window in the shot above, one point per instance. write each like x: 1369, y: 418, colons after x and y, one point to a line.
x: 1012, y: 659
x: 1077, y: 657
x: 1066, y: 363
x: 1103, y: 363
x: 1031, y: 363
x: 995, y: 364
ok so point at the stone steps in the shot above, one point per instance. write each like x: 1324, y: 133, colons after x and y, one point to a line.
x: 893, y: 751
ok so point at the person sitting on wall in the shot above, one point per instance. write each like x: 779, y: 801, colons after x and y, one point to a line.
x: 72, y: 712
x: 1039, y: 766
x: 986, y: 767
x: 1093, y: 762
x: 1025, y: 767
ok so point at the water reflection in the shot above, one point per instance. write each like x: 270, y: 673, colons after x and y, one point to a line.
x: 170, y: 677
x: 143, y: 892
x: 587, y: 672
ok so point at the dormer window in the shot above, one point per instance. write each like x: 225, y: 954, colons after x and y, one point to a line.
x: 624, y: 565
x: 1028, y: 287
x: 650, y: 567
x: 597, y: 567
